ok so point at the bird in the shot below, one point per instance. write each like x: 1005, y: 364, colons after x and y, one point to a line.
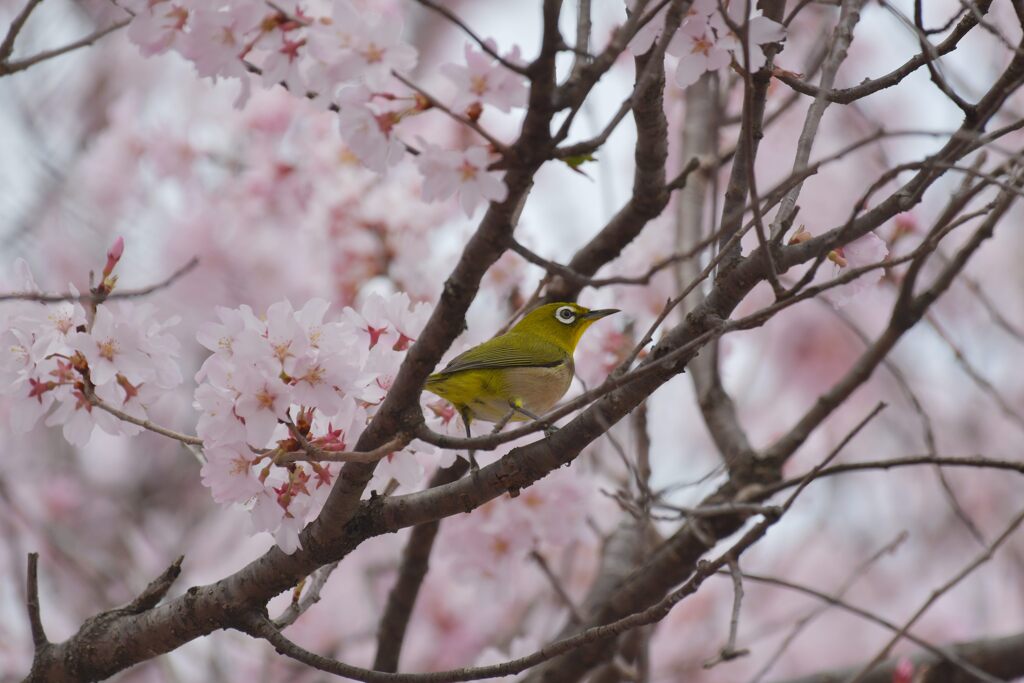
x: 518, y: 375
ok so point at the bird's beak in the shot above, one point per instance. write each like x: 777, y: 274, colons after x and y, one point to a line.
x: 600, y: 313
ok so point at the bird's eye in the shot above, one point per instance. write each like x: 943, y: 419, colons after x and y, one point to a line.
x: 565, y: 315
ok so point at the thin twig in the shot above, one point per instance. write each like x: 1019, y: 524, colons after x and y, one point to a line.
x: 87, y: 298
x: 842, y: 36
x: 96, y: 401
x: 484, y: 45
x: 22, y: 64
x: 145, y: 424
x: 497, y: 144
x: 729, y: 652
x: 977, y: 461
x: 557, y: 586
x: 32, y: 603
x: 7, y: 46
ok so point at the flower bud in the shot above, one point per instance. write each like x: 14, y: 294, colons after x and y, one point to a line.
x: 800, y: 236
x: 836, y: 256
x: 113, y: 256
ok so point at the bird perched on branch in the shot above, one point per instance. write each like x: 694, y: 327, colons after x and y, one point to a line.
x: 518, y: 375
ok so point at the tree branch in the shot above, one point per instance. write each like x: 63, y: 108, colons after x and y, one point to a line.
x: 871, y: 86
x: 10, y: 67
x: 87, y: 298
x: 7, y: 46
x: 32, y: 603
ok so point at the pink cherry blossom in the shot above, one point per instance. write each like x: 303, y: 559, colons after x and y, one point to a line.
x: 111, y: 347
x: 262, y: 402
x: 696, y: 46
x: 218, y: 423
x: 368, y: 135
x: 759, y: 31
x: 158, y: 25
x: 391, y: 320
x: 485, y: 81
x: 379, y: 50
x: 283, y: 63
x: 447, y: 172
x: 217, y: 37
x: 78, y: 418
x: 229, y: 473
x: 863, y: 251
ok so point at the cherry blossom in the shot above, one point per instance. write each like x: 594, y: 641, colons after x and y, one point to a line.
x: 864, y: 251
x: 229, y: 472
x: 159, y: 25
x: 393, y: 321
x: 696, y: 47
x: 78, y: 418
x: 447, y: 172
x: 484, y: 81
x: 759, y: 30
x: 217, y: 37
x: 368, y: 134
x: 378, y: 50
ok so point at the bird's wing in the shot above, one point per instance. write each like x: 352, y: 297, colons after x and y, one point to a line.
x: 510, y: 350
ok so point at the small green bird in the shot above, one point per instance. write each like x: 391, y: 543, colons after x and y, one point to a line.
x: 520, y: 374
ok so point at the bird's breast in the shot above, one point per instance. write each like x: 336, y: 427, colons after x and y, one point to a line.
x: 538, y: 388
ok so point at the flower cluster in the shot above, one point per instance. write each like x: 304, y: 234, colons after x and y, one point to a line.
x: 709, y: 39
x: 55, y: 356
x: 276, y: 384
x: 345, y: 59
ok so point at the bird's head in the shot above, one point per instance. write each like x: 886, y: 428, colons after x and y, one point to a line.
x: 562, y: 323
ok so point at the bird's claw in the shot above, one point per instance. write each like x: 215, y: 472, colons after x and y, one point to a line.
x: 549, y: 430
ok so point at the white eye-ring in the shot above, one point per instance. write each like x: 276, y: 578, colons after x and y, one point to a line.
x: 565, y: 315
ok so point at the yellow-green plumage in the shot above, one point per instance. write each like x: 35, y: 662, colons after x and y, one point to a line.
x: 524, y: 371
